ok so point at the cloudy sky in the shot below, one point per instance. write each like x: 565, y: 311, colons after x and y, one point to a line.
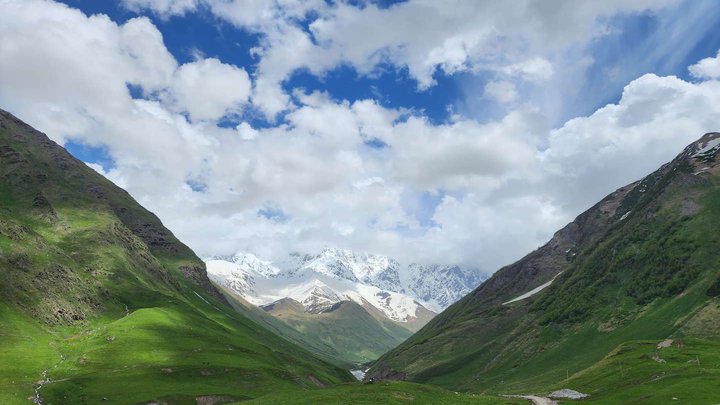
x: 453, y: 132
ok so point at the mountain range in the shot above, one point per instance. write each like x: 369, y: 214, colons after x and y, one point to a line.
x: 390, y: 302
x: 434, y: 287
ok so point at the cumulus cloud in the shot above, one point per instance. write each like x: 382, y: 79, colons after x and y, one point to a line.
x: 208, y: 89
x: 342, y: 173
x: 460, y: 36
x: 708, y: 68
x: 501, y: 91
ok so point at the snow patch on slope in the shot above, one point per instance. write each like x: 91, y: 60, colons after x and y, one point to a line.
x: 533, y: 291
x: 710, y: 146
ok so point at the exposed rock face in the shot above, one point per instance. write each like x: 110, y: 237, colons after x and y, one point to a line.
x: 442, y: 285
x: 88, y: 217
x: 542, y: 265
x: 566, y: 393
x: 386, y: 374
x: 55, y: 307
x: 198, y: 276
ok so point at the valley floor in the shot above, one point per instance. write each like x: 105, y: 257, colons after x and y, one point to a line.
x: 384, y: 393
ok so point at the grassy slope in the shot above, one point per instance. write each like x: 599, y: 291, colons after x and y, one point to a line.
x: 629, y: 374
x: 385, y: 393
x: 357, y: 336
x: 645, y: 277
x: 279, y: 327
x: 98, y: 294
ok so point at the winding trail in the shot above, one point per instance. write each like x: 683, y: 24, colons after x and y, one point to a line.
x: 539, y: 400
x: 535, y: 399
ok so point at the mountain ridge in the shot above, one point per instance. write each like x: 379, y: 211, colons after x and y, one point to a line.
x: 639, y: 264
x: 361, y: 294
x: 433, y: 286
x: 99, y: 300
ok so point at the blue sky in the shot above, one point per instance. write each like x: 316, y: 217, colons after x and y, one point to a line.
x: 462, y: 134
x: 664, y: 42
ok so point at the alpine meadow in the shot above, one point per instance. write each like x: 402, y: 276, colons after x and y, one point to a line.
x: 216, y: 202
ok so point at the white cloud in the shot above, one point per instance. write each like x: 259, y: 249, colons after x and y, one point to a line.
x: 506, y: 184
x: 98, y: 168
x: 501, y: 91
x: 208, y: 89
x: 164, y: 8
x: 536, y: 69
x: 708, y: 68
x: 460, y: 36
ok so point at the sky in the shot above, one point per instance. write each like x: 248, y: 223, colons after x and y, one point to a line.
x: 453, y: 132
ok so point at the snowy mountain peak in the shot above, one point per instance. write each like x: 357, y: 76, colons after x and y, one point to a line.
x: 333, y: 275
x: 440, y: 285
x: 318, y: 298
x: 251, y: 262
x: 248, y: 262
x: 331, y: 262
x: 376, y: 270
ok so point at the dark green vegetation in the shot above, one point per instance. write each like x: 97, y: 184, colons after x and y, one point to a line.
x: 356, y: 336
x: 104, y: 305
x: 641, y: 265
x: 385, y: 393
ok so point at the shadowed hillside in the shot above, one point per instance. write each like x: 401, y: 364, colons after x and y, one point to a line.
x: 100, y: 302
x: 642, y: 264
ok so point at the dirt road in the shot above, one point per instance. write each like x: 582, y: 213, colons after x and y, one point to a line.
x: 535, y: 400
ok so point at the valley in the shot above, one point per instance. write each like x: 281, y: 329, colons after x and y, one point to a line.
x: 406, y: 202
x: 99, y: 296
x: 360, y: 305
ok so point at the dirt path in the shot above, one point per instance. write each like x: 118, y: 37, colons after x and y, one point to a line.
x: 535, y: 400
x: 539, y: 400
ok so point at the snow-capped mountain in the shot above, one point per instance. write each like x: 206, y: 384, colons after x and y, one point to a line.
x: 375, y: 270
x: 320, y: 281
x: 439, y: 286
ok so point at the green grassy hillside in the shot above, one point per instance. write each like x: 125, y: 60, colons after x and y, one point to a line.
x: 100, y: 303
x: 637, y: 372
x: 279, y: 327
x: 643, y: 264
x: 385, y: 393
x: 357, y: 336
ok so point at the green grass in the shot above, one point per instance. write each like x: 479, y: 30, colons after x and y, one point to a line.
x: 629, y: 374
x: 25, y: 350
x: 182, y: 348
x: 357, y: 336
x: 383, y: 393
x: 93, y: 297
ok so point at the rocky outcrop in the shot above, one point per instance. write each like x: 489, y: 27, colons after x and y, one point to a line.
x: 94, y: 233
x: 198, y: 276
x: 385, y: 373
